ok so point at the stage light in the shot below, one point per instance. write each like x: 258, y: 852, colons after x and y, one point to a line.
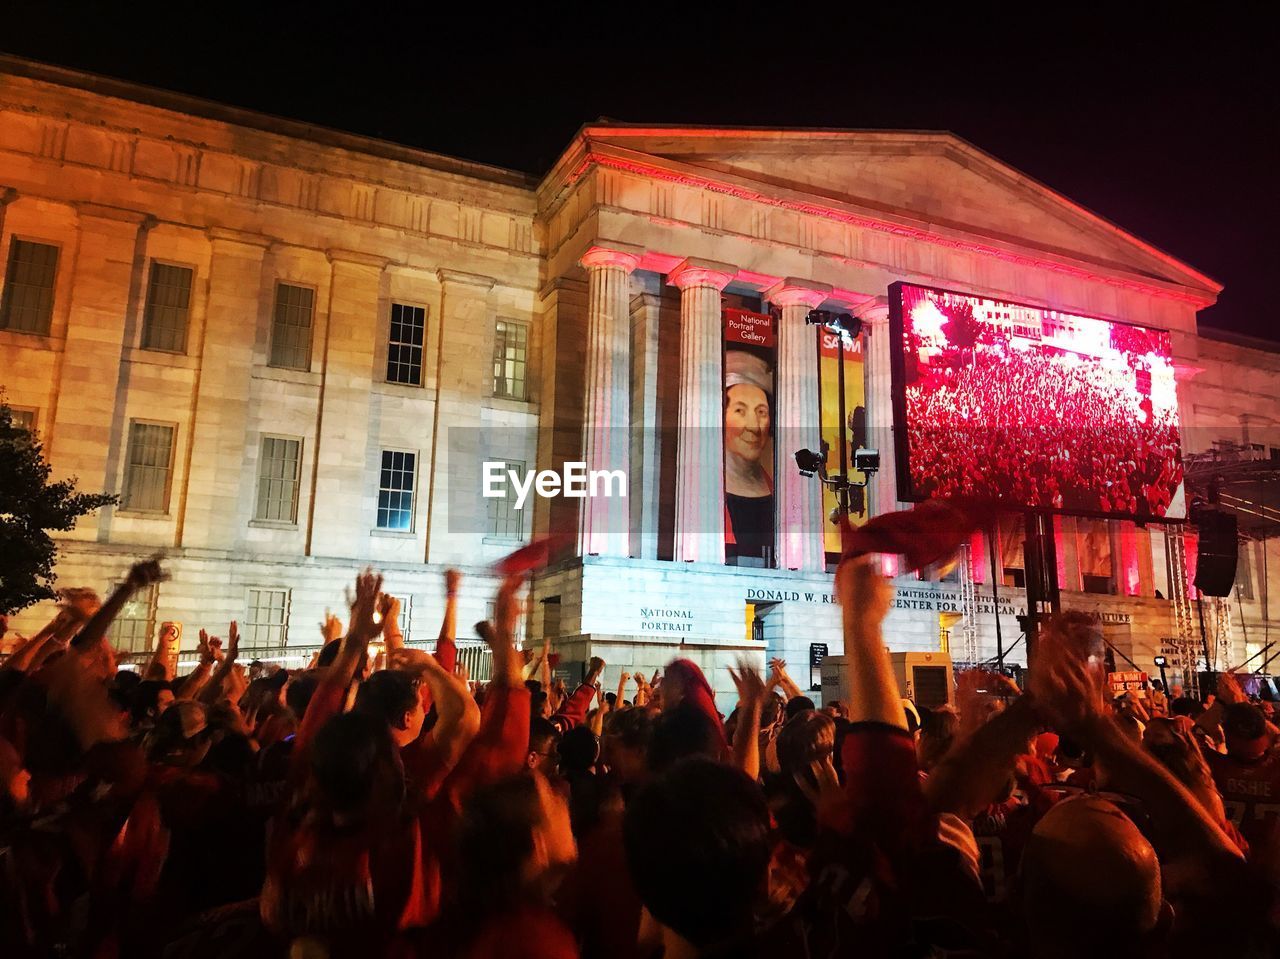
x: 810, y: 462
x: 1161, y: 662
x: 866, y: 461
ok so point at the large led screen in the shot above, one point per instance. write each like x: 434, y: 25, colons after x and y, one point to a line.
x: 1037, y: 408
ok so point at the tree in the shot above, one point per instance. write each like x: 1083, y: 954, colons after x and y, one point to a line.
x: 962, y: 329
x: 30, y: 506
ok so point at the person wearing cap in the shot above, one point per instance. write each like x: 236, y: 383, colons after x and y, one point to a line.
x: 748, y: 453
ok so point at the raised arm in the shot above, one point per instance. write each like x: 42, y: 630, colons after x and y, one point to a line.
x: 213, y: 689
x: 783, y: 679
x: 141, y: 575
x: 972, y: 773
x: 746, y: 738
x: 1068, y: 690
x: 195, y: 681
x: 327, y: 701
x: 864, y: 596
x: 389, y: 610
x: 446, y: 645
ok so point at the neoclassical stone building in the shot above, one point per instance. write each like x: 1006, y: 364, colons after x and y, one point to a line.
x: 291, y: 350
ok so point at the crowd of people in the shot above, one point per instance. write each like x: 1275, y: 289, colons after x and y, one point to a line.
x: 1034, y: 428
x: 379, y: 803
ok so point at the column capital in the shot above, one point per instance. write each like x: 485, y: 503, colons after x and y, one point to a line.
x: 874, y: 312
x: 692, y: 272
x: 621, y: 255
x: 794, y: 292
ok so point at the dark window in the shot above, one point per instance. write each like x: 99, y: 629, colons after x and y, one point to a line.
x: 28, y: 287
x: 404, y: 346
x: 291, y: 328
x: 511, y: 360
x: 164, y: 325
x: 395, y: 490
x: 150, y: 467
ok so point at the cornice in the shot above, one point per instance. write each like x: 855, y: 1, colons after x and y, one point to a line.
x: 610, y: 157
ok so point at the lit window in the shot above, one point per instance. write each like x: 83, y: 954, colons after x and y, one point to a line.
x: 149, y: 467
x: 511, y: 359
x: 279, y: 471
x: 291, y: 327
x: 27, y: 306
x: 133, y: 629
x: 23, y: 419
x: 164, y: 322
x: 267, y: 623
x: 404, y: 346
x: 395, y: 490
x: 505, y: 521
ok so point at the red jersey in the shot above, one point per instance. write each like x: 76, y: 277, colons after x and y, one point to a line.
x: 1251, y: 798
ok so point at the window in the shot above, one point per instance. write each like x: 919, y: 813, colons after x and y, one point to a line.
x: 28, y: 287
x: 505, y: 521
x: 404, y: 347
x: 132, y: 630
x: 149, y: 467
x: 395, y: 490
x: 267, y: 624
x: 291, y: 327
x: 23, y: 419
x: 279, y: 469
x: 164, y: 322
x: 511, y: 359
x: 1244, y: 579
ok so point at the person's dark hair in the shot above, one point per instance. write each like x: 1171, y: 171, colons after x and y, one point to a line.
x: 298, y: 696
x: 388, y: 694
x: 703, y: 878
x: 807, y: 737
x: 145, y: 699
x: 579, y: 750
x: 329, y: 653
x: 681, y: 732
x: 1244, y: 721
x: 937, y: 732
x: 350, y: 754
x: 494, y: 839
x: 126, y: 680
x: 631, y: 727
x: 1185, y: 706
x: 543, y: 736
x: 797, y: 705
x: 772, y: 711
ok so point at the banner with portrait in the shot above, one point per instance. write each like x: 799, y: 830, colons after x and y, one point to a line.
x: 750, y: 367
x: 854, y: 424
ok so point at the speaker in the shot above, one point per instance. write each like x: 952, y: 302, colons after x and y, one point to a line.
x: 1217, y: 553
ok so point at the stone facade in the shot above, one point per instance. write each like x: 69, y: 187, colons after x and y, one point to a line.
x: 615, y: 263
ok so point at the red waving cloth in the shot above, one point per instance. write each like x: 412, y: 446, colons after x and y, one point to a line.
x: 535, y: 555
x: 697, y: 691
x: 928, y: 532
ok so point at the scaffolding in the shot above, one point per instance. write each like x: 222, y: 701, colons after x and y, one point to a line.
x: 1176, y: 549
x: 968, y: 608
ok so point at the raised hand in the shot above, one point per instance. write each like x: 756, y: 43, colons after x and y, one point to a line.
x: 751, y: 687
x: 145, y: 573
x: 1229, y: 690
x: 863, y: 591
x: 233, y: 641
x: 330, y: 628
x: 363, y: 626
x: 1067, y: 688
x: 452, y: 580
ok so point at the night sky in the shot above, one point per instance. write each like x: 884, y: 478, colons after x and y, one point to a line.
x: 1167, y: 127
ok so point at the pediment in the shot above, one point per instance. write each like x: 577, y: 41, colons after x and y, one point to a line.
x: 934, y: 180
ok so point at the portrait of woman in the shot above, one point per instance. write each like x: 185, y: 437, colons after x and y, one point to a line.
x: 748, y: 455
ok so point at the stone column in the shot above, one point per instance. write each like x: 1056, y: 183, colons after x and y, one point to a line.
x: 799, y: 498
x: 699, y: 533
x: 880, y: 435
x: 346, y: 450
x: 604, y: 524
x: 211, y: 515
